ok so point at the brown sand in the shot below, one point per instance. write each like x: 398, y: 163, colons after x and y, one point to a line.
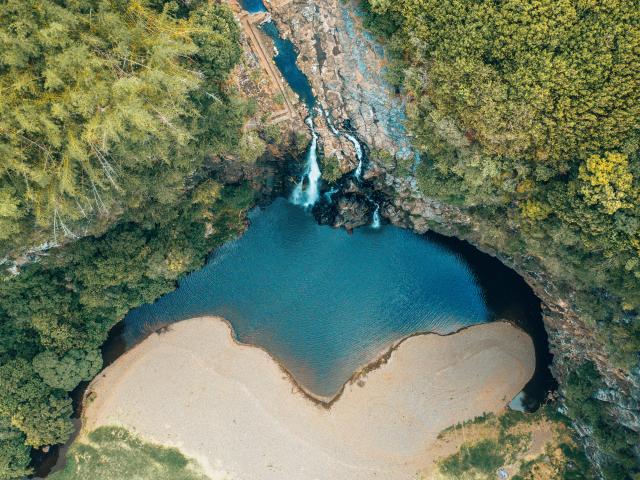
x: 234, y: 409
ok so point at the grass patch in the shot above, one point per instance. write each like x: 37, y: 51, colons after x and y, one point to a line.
x: 537, y: 446
x: 331, y: 169
x: 484, y: 457
x: 113, y: 453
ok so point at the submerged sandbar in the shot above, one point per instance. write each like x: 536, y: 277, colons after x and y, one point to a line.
x: 234, y: 409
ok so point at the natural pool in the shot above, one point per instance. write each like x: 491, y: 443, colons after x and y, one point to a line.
x: 253, y: 6
x: 323, y: 302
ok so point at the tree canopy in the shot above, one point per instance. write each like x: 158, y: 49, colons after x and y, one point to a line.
x: 107, y: 111
x: 100, y: 106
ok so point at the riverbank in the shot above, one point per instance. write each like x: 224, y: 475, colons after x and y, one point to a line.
x: 236, y: 411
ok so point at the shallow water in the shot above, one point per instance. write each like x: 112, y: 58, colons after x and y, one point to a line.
x: 285, y: 60
x: 321, y: 301
x: 253, y: 6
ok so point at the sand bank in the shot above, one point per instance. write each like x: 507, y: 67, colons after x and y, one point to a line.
x: 234, y: 409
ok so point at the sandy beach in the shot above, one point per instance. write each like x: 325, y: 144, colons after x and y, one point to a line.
x: 235, y: 410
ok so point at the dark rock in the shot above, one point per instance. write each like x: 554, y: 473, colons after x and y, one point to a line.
x: 351, y: 212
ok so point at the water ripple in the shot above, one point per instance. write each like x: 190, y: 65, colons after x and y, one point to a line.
x: 324, y: 302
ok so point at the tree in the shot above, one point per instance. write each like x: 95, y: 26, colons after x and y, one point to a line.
x: 607, y: 182
x: 67, y: 371
x: 40, y: 412
x: 14, y: 454
x: 97, y: 107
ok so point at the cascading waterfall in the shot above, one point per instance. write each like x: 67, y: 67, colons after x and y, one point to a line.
x: 307, y: 197
x: 328, y: 195
x: 333, y: 129
x: 359, y: 155
x: 376, y: 217
x: 358, y: 147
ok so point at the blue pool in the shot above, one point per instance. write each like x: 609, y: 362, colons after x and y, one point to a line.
x: 320, y: 300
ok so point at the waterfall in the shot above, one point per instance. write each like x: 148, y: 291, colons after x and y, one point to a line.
x: 328, y: 196
x: 309, y: 196
x: 359, y: 154
x: 376, y: 217
x: 333, y: 129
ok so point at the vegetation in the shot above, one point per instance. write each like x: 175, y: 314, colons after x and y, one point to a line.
x: 108, y: 110
x: 112, y: 453
x: 614, y: 440
x: 331, y: 169
x: 484, y: 457
x: 507, y: 442
x: 14, y: 453
x: 525, y: 115
x: 105, y: 106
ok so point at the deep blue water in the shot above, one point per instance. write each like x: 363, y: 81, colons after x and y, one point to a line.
x: 253, y: 6
x: 320, y: 300
x: 286, y: 63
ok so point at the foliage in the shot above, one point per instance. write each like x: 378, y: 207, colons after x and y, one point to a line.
x: 330, y: 168
x: 14, y: 454
x: 101, y: 106
x: 506, y: 440
x: 112, y: 453
x: 251, y: 146
x: 40, y: 412
x: 489, y: 69
x: 607, y: 182
x: 614, y: 440
x: 107, y: 112
x: 67, y: 371
x: 55, y: 315
x: 483, y: 456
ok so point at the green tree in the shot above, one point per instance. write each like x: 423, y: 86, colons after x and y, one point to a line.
x: 67, y: 371
x: 607, y: 182
x: 14, y: 454
x: 98, y: 105
x: 40, y: 412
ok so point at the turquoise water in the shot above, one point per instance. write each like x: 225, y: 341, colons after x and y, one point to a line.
x: 286, y: 63
x: 253, y: 6
x: 320, y: 300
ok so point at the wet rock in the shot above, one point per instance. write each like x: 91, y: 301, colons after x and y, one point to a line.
x: 348, y: 83
x: 372, y: 172
x: 351, y: 212
x: 351, y: 186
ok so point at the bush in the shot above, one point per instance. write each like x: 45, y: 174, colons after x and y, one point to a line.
x: 484, y: 457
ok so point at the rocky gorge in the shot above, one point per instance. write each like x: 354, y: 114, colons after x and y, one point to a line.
x: 345, y: 67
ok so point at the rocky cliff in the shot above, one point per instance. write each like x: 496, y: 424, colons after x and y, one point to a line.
x: 346, y: 66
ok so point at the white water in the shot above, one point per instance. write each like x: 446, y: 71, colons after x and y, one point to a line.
x: 333, y: 129
x: 376, y: 217
x: 329, y: 195
x: 359, y: 154
x: 307, y: 197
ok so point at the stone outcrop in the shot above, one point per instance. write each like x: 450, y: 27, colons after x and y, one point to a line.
x: 346, y: 68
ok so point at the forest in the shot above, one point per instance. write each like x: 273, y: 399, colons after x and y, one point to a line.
x: 105, y: 105
x: 526, y: 114
x: 108, y: 110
